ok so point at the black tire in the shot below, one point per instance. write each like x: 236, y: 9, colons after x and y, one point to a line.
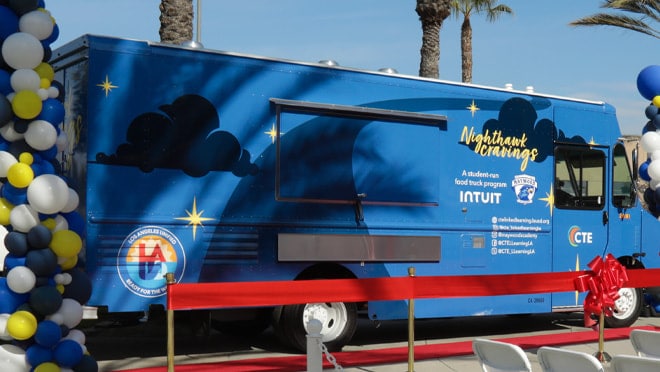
x: 629, y: 306
x: 339, y: 321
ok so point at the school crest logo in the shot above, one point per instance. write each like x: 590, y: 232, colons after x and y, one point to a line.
x: 524, y: 187
x: 144, y: 258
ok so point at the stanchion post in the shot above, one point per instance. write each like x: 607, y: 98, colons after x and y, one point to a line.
x: 314, y: 355
x: 411, y: 327
x: 169, y: 277
x: 601, y: 355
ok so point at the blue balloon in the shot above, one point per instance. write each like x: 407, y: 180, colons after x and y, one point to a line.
x: 644, y: 170
x: 42, y: 262
x: 52, y: 111
x: 10, y: 300
x: 648, y: 82
x: 48, y: 333
x: 8, y: 22
x: 12, y: 261
x: 68, y: 353
x: 76, y: 222
x: 5, y: 82
x: 649, y: 127
x: 13, y: 194
x: 651, y: 111
x: 37, y: 354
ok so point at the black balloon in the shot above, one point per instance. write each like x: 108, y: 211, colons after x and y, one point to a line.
x: 21, y: 7
x: 45, y: 300
x: 42, y: 262
x: 16, y: 243
x: 80, y: 288
x: 39, y: 237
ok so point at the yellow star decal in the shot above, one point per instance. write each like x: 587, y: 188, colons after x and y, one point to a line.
x: 107, y: 85
x: 473, y: 108
x: 194, y: 218
x: 549, y: 200
x: 273, y: 133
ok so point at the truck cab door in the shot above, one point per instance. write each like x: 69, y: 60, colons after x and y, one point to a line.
x: 580, y: 214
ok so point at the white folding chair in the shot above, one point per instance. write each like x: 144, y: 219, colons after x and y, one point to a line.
x: 646, y: 343
x: 630, y: 363
x: 496, y: 356
x: 554, y: 359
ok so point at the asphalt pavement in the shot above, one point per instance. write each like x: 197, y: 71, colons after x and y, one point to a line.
x: 120, y: 346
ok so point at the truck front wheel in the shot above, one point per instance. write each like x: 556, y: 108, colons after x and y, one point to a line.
x: 628, y: 307
x: 339, y: 320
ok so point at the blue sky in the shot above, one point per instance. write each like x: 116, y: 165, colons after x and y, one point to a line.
x: 535, y: 46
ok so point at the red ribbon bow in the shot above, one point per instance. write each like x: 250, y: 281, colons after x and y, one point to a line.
x: 603, y: 283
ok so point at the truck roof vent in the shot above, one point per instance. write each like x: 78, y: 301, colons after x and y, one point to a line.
x: 329, y: 62
x: 388, y: 70
x: 529, y: 89
x: 508, y: 86
x: 192, y: 44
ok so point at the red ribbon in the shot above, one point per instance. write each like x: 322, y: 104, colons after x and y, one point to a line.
x: 603, y: 283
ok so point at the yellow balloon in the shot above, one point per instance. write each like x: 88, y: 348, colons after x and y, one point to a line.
x: 49, y: 223
x: 26, y: 104
x: 47, y: 367
x: 67, y: 263
x: 5, y: 211
x: 20, y: 175
x: 26, y: 157
x: 65, y: 243
x: 45, y: 71
x: 656, y: 101
x: 21, y: 325
x: 44, y: 83
x: 60, y: 288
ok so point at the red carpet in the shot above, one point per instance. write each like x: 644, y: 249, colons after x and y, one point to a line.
x: 395, y: 354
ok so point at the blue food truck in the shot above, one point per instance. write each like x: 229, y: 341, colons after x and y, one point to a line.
x: 219, y: 167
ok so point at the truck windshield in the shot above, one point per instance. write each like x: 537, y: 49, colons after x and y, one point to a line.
x: 579, y: 178
x: 623, y: 191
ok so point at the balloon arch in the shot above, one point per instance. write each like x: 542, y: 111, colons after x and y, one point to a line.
x: 41, y: 234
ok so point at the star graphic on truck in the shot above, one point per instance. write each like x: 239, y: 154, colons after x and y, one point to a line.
x: 195, y: 218
x: 549, y: 200
x: 107, y: 85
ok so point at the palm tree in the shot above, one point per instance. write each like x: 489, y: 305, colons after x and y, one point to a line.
x: 646, y: 9
x: 467, y: 8
x: 431, y: 13
x: 176, y: 21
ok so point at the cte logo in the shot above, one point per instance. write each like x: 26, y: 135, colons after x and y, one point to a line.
x: 146, y: 256
x: 577, y: 237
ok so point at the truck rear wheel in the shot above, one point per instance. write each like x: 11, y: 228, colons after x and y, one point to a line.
x: 629, y: 306
x: 339, y: 320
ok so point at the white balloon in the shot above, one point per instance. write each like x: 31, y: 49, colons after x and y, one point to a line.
x: 4, y: 335
x: 653, y: 184
x: 10, y: 134
x: 655, y: 155
x: 21, y: 279
x: 654, y: 170
x: 53, y: 92
x: 23, y: 217
x: 61, y: 141
x: 650, y: 141
x: 12, y: 359
x: 25, y: 79
x: 77, y: 336
x: 6, y: 161
x: 40, y: 135
x: 72, y: 201
x: 71, y: 312
x: 61, y: 224
x: 22, y: 50
x: 43, y: 94
x: 36, y: 23
x: 48, y: 193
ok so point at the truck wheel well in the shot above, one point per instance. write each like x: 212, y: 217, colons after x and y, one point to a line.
x: 326, y: 271
x: 630, y: 262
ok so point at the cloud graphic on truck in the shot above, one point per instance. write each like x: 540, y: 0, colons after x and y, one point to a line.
x: 184, y: 135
